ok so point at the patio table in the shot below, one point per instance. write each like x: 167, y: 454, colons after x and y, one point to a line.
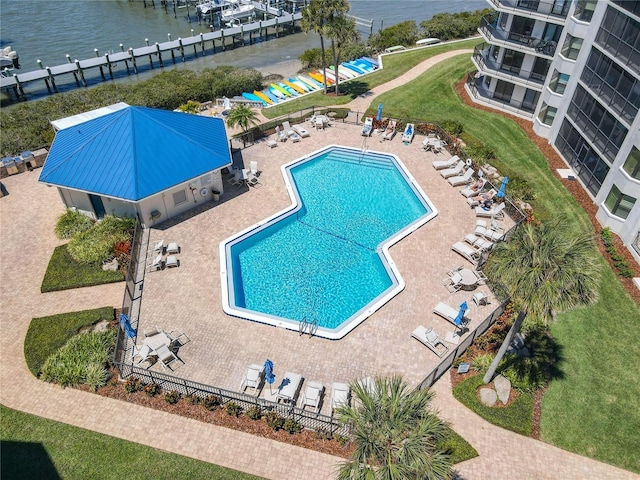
x: 154, y: 342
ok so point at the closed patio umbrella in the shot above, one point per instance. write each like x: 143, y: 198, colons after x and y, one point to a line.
x: 268, y: 374
x: 126, y: 326
x: 379, y: 116
x: 460, y: 318
x: 503, y: 185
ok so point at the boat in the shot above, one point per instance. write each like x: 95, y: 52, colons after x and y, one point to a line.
x: 301, y: 84
x: 236, y: 10
x: 297, y: 88
x: 311, y: 82
x: 367, y: 67
x: 9, y: 58
x: 254, y: 98
x: 317, y: 76
x: 341, y: 73
x: 353, y: 68
x: 276, y: 93
x: 280, y: 90
x: 370, y: 60
x: 292, y: 91
x: 263, y: 97
x: 331, y: 76
x: 209, y: 7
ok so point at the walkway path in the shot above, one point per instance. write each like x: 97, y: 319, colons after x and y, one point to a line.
x: 27, y: 219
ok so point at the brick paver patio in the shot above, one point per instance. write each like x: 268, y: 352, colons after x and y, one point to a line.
x: 188, y: 298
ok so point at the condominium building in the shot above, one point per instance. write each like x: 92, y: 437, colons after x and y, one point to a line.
x: 572, y: 67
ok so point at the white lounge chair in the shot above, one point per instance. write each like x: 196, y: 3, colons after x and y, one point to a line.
x: 478, y: 242
x: 452, y: 282
x: 431, y: 340
x: 466, y: 251
x: 390, y: 131
x: 156, y: 263
x: 442, y: 164
x: 494, y: 212
x: 449, y: 314
x: 158, y: 246
x: 367, y: 128
x: 480, y: 298
x: 340, y: 395
x: 253, y: 167
x: 282, y: 136
x: 452, y: 172
x: 173, y: 248
x: 409, y: 132
x: 481, y: 197
x: 172, y: 261
x: 461, y: 179
x: 300, y: 130
x: 474, y: 189
x: 288, y: 130
x: 252, y: 378
x: 313, y: 395
x: 289, y: 387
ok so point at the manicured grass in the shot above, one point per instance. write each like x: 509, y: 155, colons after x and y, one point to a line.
x: 593, y: 409
x: 394, y: 66
x: 517, y: 417
x: 459, y: 449
x: 33, y: 447
x: 47, y: 334
x: 63, y: 273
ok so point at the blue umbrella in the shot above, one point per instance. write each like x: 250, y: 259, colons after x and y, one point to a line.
x: 126, y: 326
x: 463, y: 308
x: 379, y: 117
x: 503, y: 185
x: 268, y: 374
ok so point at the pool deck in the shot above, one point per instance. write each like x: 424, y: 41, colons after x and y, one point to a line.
x: 189, y: 298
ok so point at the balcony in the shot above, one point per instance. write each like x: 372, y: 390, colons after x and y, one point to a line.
x: 474, y: 86
x: 549, y: 10
x: 514, y: 40
x: 486, y: 65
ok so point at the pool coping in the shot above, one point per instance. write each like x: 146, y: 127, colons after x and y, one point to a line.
x: 398, y: 283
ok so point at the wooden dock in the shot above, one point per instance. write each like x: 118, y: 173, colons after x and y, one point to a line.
x: 155, y: 55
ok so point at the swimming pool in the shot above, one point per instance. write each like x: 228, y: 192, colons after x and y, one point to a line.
x: 324, y: 260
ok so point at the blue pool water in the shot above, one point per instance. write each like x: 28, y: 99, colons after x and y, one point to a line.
x: 323, y: 262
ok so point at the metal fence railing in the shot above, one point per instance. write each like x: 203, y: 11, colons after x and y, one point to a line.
x: 466, y: 342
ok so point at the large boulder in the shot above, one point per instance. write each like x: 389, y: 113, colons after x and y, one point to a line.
x: 488, y: 396
x: 503, y: 388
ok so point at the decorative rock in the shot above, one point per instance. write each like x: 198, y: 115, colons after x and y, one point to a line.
x: 112, y: 265
x: 488, y: 396
x: 503, y: 388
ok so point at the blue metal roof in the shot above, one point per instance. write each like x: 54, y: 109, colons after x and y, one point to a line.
x: 136, y: 152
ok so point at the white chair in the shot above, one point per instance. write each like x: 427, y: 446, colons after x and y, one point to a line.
x: 237, y: 177
x: 494, y: 212
x: 442, y: 164
x: 474, y: 189
x: 252, y: 378
x: 452, y: 282
x: 141, y: 351
x: 449, y: 314
x: 178, y: 338
x: 461, y: 179
x: 166, y: 357
x: 466, y: 251
x: 172, y: 261
x: 156, y: 263
x: 251, y: 179
x: 272, y: 143
x: 340, y: 395
x: 173, y: 248
x: 288, y: 130
x: 158, y: 246
x: 453, y: 172
x: 431, y: 340
x: 282, y: 136
x: 480, y: 298
x: 300, y: 130
x: 288, y: 389
x: 313, y: 395
x: 253, y: 167
x: 478, y: 242
x: 151, y: 331
x: 476, y: 200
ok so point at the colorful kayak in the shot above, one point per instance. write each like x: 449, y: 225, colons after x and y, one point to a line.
x: 363, y: 65
x: 297, y: 88
x: 270, y: 95
x: 254, y: 98
x: 263, y: 97
x: 331, y: 76
x: 342, y: 73
x: 291, y: 91
x: 320, y: 78
x: 311, y: 82
x: 276, y: 93
x: 371, y: 61
x: 300, y: 84
x: 280, y: 89
x: 353, y: 68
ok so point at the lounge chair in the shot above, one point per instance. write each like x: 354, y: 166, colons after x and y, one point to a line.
x: 158, y: 246
x: 340, y: 395
x: 409, y: 132
x: 452, y: 172
x: 281, y: 136
x: 288, y: 130
x: 430, y: 339
x: 172, y: 248
x: 252, y: 378
x: 295, y: 137
x: 481, y: 197
x: 172, y: 261
x: 452, y: 282
x: 461, y: 179
x: 289, y: 387
x: 390, y: 131
x: 319, y: 123
x: 253, y: 167
x: 449, y: 314
x: 478, y: 242
x: 313, y: 395
x: 474, y: 189
x: 300, y: 130
x: 442, y: 164
x: 466, y: 251
x: 494, y: 212
x: 367, y: 128
x: 156, y: 263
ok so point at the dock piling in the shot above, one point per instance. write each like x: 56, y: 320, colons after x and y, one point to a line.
x: 79, y: 68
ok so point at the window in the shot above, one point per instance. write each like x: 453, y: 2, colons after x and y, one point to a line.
x: 618, y: 203
x: 632, y: 163
x: 571, y: 47
x: 512, y: 61
x: 179, y: 197
x: 558, y: 82
x: 503, y: 90
x: 547, y: 114
x: 631, y: 5
x: 619, y: 36
x: 584, y: 10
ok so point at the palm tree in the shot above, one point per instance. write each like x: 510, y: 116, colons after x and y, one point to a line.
x: 241, y: 115
x: 395, y: 433
x: 341, y: 30
x: 313, y: 19
x: 544, y: 269
x: 191, y: 106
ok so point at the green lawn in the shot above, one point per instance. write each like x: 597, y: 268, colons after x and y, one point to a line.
x: 33, y: 447
x: 594, y: 409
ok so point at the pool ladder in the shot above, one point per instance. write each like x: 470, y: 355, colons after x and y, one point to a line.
x: 308, y: 327
x: 363, y: 149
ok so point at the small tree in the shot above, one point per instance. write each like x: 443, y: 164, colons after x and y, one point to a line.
x: 191, y: 106
x: 242, y: 115
x: 342, y: 30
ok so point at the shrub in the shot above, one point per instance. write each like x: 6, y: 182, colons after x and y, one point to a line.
x: 95, y: 246
x: 482, y: 362
x: 193, y: 399
x: 291, y: 426
x: 520, y: 189
x: 232, y: 409
x: 274, y: 420
x: 82, y: 354
x: 342, y: 439
x: 96, y: 376
x: 453, y: 127
x: 132, y: 385
x: 404, y: 33
x: 211, y: 402
x: 151, y: 389
x: 71, y: 223
x: 172, y: 397
x: 254, y: 413
x: 323, y: 434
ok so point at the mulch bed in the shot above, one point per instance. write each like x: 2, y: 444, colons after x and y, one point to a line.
x: 574, y: 187
x: 219, y: 417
